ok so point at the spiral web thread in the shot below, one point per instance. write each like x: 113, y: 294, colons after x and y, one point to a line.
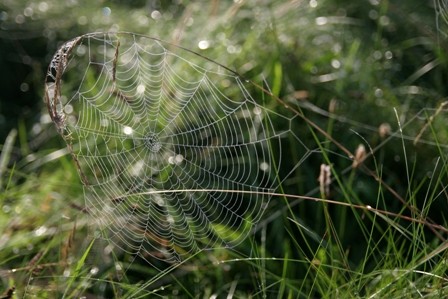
x: 174, y: 153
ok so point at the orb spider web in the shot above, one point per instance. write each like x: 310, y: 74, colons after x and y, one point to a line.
x: 174, y: 153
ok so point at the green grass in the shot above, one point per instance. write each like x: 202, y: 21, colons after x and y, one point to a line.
x: 379, y: 233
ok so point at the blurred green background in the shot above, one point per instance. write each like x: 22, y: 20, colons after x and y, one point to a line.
x: 346, y: 64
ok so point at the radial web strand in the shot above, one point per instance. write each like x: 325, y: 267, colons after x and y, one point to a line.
x: 174, y: 153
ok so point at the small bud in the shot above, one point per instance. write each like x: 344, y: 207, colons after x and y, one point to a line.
x: 332, y: 106
x: 301, y: 95
x: 359, y: 156
x: 384, y: 130
x: 324, y: 180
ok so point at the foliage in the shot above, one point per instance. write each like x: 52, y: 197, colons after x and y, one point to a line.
x: 369, y: 73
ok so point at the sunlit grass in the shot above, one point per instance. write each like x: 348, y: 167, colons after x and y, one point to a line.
x: 380, y: 231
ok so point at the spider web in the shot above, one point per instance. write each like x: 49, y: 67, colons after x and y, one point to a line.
x: 441, y: 11
x: 174, y: 153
